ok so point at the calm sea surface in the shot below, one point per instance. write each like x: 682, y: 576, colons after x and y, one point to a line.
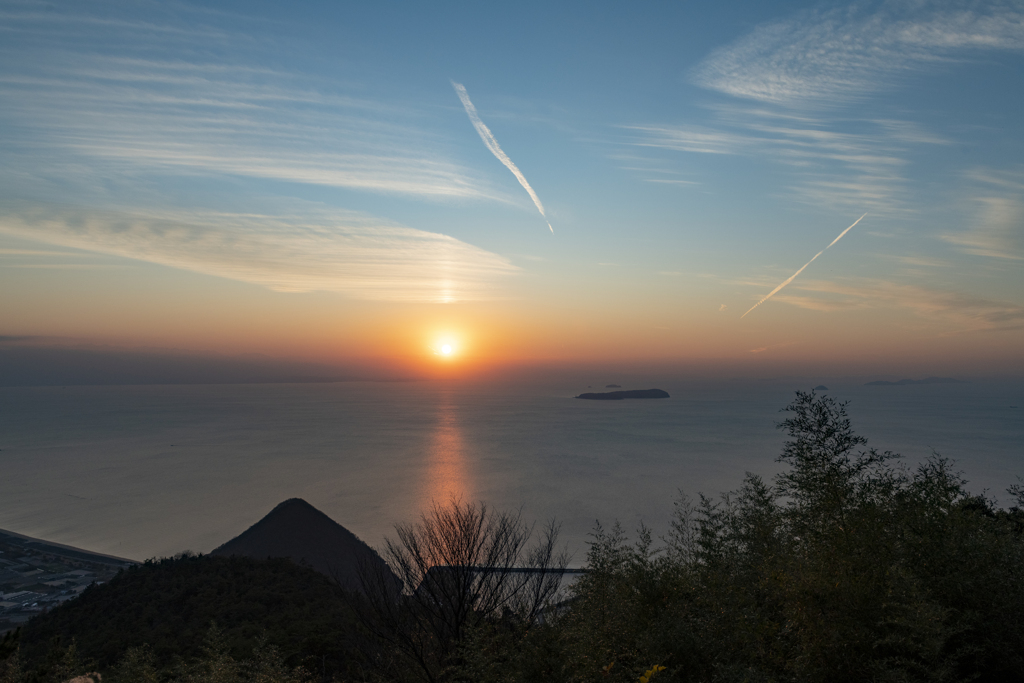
x: 143, y: 471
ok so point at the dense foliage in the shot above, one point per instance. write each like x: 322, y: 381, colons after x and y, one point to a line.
x: 846, y: 567
x: 168, y: 606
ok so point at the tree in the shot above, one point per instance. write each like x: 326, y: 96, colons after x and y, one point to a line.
x: 137, y: 665
x: 10, y: 661
x: 829, y: 477
x: 462, y: 565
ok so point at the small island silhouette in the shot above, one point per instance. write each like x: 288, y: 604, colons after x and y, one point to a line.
x: 620, y: 395
x: 928, y: 380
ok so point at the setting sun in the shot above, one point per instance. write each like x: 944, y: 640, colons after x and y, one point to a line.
x: 446, y: 347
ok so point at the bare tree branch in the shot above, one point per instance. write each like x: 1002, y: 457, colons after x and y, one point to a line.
x: 462, y: 564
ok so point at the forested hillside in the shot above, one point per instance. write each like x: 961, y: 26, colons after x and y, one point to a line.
x: 170, y: 604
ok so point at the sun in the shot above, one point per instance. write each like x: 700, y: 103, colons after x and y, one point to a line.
x: 445, y: 348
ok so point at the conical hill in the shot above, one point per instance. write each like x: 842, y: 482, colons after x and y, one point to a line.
x: 297, y: 530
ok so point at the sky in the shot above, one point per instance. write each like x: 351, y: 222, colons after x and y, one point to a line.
x: 357, y: 185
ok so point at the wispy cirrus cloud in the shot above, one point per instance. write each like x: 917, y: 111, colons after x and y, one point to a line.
x: 50, y: 253
x: 953, y: 312
x: 104, y: 96
x: 996, y: 229
x: 356, y: 255
x: 792, y: 78
x: 856, y: 169
x: 35, y: 17
x: 190, y: 118
x: 833, y: 56
x: 686, y: 138
x: 121, y: 106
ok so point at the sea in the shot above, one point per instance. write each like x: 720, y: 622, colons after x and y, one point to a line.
x: 151, y: 471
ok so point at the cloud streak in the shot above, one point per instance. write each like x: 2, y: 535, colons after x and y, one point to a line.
x: 496, y: 150
x: 798, y: 74
x: 793, y: 276
x: 826, y: 57
x: 997, y: 226
x: 857, y: 168
x: 155, y: 103
x: 956, y: 312
x: 353, y: 254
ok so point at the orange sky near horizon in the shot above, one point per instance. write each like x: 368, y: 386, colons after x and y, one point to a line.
x: 175, y: 310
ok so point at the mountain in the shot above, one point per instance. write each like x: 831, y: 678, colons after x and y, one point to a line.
x: 297, y: 530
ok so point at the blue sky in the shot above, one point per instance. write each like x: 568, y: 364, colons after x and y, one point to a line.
x: 315, y: 157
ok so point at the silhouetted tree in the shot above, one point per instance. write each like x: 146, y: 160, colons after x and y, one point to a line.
x: 460, y: 566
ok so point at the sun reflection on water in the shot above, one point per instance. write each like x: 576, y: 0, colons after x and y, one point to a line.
x: 446, y: 471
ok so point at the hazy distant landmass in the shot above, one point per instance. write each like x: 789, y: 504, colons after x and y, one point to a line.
x: 25, y: 364
x: 821, y: 387
x: 36, y: 575
x: 929, y: 380
x: 30, y: 545
x: 297, y: 530
x: 612, y: 386
x: 619, y: 395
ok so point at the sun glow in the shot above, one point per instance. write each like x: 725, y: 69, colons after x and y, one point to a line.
x: 445, y: 348
x: 449, y: 347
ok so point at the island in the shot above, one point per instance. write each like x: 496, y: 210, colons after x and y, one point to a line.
x: 904, y: 382
x: 620, y: 395
x: 820, y: 387
x: 612, y: 386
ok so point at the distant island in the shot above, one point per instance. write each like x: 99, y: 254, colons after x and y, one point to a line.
x: 619, y: 395
x: 929, y: 380
x: 612, y: 386
x: 821, y: 387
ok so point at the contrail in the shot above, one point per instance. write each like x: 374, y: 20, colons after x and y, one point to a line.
x: 793, y: 276
x: 488, y: 137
